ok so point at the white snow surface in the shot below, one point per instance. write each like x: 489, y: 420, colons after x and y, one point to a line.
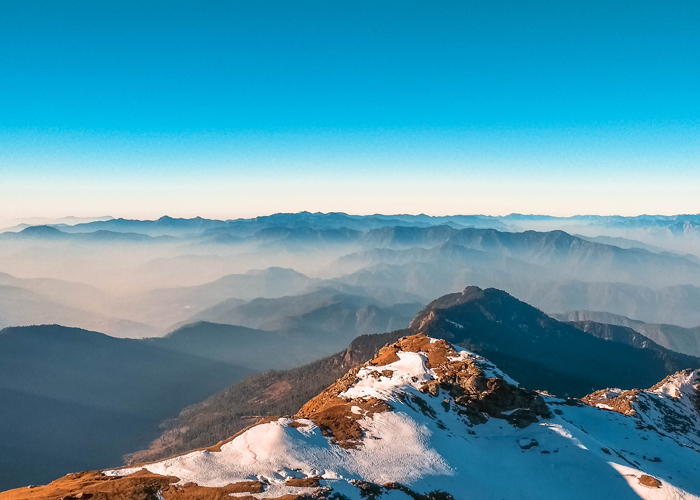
x: 581, y: 452
x: 408, y: 371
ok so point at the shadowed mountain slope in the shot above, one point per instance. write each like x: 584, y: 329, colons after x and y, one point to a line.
x: 538, y: 350
x: 324, y: 309
x: 256, y: 349
x: 261, y: 395
x: 75, y: 398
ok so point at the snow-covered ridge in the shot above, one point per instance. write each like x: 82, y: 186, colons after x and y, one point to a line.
x: 672, y: 406
x: 424, y: 417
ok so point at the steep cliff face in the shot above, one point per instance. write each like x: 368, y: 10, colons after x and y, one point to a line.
x: 430, y: 421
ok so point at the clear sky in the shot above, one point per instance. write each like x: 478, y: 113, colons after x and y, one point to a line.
x: 233, y: 108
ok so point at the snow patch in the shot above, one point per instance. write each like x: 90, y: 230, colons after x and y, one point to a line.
x: 409, y: 370
x: 396, y: 449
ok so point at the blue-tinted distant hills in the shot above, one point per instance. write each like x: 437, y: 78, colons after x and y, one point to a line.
x: 676, y: 338
x: 556, y: 253
x: 609, y: 220
x: 675, y: 232
x: 38, y: 232
x: 179, y: 267
x: 50, y: 233
x: 160, y: 227
x: 233, y: 230
x: 334, y: 220
x: 178, y: 226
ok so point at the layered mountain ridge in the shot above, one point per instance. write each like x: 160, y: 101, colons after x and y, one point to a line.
x: 685, y: 340
x: 566, y: 359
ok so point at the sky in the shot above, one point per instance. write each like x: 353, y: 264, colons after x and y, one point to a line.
x: 234, y: 109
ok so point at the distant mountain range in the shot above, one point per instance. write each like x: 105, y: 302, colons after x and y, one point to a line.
x: 170, y: 306
x: 684, y: 340
x: 25, y: 302
x: 324, y: 309
x: 673, y: 223
x: 162, y: 273
x: 50, y: 233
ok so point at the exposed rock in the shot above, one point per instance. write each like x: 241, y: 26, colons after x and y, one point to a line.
x: 527, y: 443
x: 304, y: 482
x: 478, y: 395
x: 142, y: 485
x: 433, y: 495
x: 649, y: 482
x: 614, y: 400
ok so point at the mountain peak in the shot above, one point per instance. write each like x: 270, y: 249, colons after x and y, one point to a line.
x: 427, y: 420
x: 471, y: 295
x: 541, y: 352
x: 42, y: 232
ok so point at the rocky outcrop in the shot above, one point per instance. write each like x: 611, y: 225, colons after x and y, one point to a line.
x: 338, y: 417
x: 477, y: 396
x: 672, y: 406
x: 614, y: 400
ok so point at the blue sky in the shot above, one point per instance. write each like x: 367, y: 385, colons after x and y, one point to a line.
x: 240, y: 108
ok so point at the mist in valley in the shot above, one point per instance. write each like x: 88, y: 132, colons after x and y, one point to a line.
x: 147, y: 278
x: 141, y: 307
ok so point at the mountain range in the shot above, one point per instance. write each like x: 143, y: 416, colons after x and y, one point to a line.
x: 566, y: 359
x: 684, y: 340
x: 154, y: 276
